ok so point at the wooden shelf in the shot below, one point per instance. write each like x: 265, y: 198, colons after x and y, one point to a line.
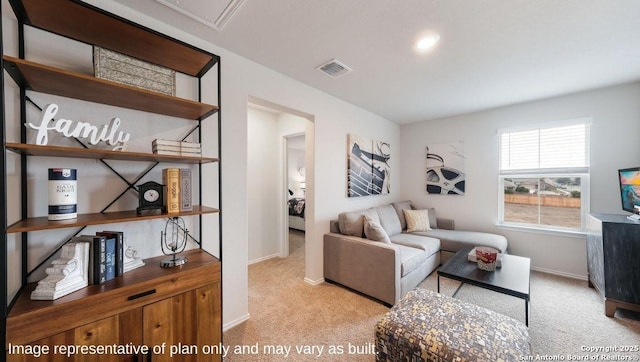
x: 25, y: 321
x: 46, y: 79
x: 77, y: 152
x: 42, y: 223
x: 89, y: 24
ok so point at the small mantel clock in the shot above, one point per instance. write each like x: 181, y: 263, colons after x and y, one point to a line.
x: 151, y: 197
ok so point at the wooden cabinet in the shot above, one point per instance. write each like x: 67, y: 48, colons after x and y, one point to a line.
x: 150, y: 307
x: 613, y: 260
x: 147, y: 306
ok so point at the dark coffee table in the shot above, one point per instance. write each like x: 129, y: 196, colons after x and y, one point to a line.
x: 511, y: 279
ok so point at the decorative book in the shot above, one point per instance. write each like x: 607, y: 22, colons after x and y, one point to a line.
x: 186, y: 203
x: 119, y: 249
x: 171, y: 179
x: 176, y: 148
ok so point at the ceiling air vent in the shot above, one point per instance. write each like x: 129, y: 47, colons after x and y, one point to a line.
x: 334, y: 68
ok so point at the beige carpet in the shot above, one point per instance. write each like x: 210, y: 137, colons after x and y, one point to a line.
x: 329, y: 321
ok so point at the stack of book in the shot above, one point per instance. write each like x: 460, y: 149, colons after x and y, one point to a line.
x: 190, y: 149
x: 176, y: 148
x: 106, y: 255
x: 177, y: 183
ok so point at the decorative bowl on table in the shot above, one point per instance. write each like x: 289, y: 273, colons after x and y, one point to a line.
x: 486, y: 258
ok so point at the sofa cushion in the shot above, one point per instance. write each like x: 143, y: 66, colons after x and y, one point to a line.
x: 399, y: 206
x: 410, y: 258
x: 352, y: 223
x: 454, y: 240
x: 389, y: 219
x: 374, y: 231
x: 428, y: 244
x: 417, y: 220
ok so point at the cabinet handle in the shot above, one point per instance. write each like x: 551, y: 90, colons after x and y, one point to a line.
x: 140, y: 295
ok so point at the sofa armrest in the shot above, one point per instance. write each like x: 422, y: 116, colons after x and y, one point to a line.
x: 447, y: 224
x: 370, y: 267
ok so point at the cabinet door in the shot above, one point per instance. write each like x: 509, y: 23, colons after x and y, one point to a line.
x: 118, y: 330
x: 64, y: 338
x: 101, y: 333
x: 185, y: 327
x: 210, y: 317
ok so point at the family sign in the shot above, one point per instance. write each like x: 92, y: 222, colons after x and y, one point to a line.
x: 107, y: 133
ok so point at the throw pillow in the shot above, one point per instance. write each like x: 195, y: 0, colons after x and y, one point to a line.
x: 433, y: 222
x: 399, y: 206
x: 351, y: 223
x: 389, y: 219
x: 417, y: 220
x: 374, y: 231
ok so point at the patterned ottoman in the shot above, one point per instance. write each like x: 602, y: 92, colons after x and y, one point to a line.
x: 427, y: 326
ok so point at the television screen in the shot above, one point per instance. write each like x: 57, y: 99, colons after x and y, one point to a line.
x: 630, y: 189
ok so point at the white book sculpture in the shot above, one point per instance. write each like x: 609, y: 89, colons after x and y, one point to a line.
x: 66, y: 275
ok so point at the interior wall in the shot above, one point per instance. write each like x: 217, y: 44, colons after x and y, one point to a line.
x: 615, y: 112
x: 295, y: 162
x: 262, y: 178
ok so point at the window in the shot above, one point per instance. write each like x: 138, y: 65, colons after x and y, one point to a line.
x: 544, y: 176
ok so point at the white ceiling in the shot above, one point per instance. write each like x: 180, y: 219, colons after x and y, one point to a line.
x: 491, y: 52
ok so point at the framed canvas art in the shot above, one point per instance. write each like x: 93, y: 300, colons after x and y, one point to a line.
x: 369, y: 167
x: 445, y: 169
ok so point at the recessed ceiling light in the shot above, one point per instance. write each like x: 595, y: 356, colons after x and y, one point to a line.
x: 425, y: 41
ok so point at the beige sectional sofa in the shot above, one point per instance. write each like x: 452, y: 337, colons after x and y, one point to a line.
x: 388, y: 250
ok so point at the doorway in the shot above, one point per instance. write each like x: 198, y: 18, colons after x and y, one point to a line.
x: 272, y: 182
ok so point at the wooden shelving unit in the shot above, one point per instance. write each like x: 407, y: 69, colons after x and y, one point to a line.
x: 46, y: 79
x: 42, y: 223
x: 76, y: 152
x: 115, y: 304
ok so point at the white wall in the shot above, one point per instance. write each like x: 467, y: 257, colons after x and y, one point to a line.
x: 295, y: 162
x: 262, y: 183
x: 614, y: 144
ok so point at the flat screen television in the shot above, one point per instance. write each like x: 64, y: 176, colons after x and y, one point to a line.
x: 630, y: 189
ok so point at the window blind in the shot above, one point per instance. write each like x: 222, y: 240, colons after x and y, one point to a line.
x: 561, y: 149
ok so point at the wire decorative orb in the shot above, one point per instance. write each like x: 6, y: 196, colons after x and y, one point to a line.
x: 173, y: 241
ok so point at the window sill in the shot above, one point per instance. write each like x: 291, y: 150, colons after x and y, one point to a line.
x: 542, y: 230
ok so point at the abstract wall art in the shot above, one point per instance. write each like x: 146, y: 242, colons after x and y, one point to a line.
x: 445, y: 168
x: 369, y: 167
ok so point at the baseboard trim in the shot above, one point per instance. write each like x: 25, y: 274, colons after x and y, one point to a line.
x: 236, y: 322
x: 277, y: 255
x: 314, y: 282
x: 562, y: 274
